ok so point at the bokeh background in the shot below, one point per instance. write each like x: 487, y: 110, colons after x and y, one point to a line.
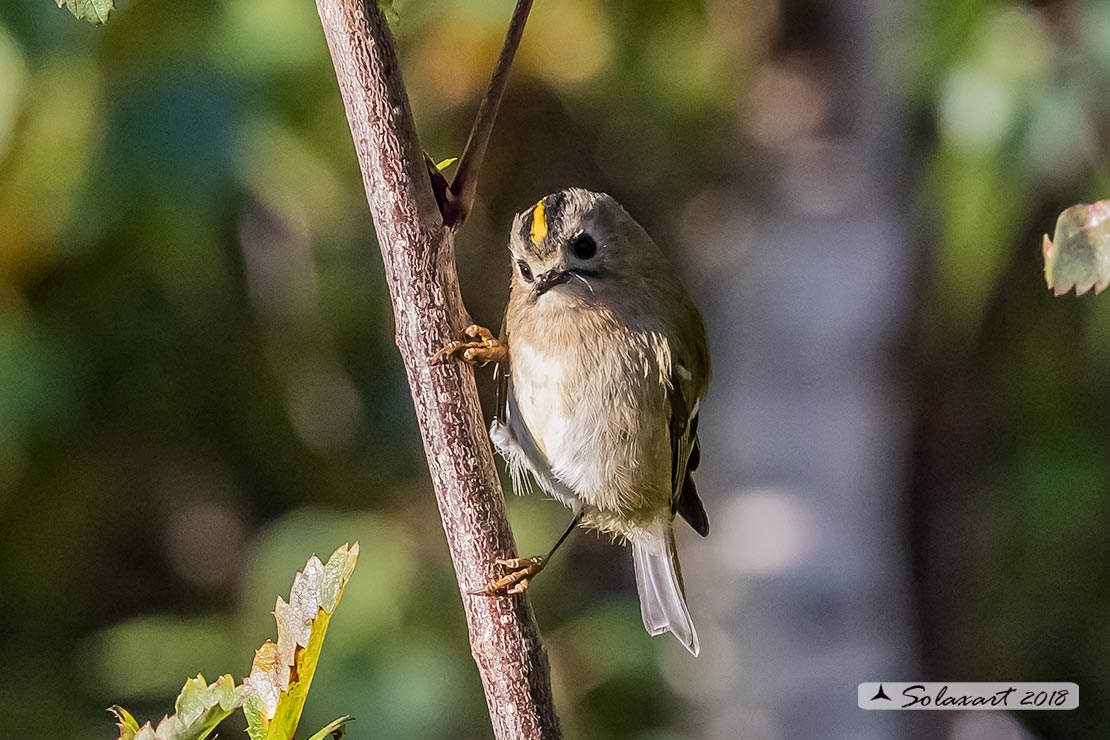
x: 906, y: 444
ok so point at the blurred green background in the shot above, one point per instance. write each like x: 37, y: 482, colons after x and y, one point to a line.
x: 199, y: 388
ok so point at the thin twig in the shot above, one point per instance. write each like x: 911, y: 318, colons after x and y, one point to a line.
x: 460, y: 196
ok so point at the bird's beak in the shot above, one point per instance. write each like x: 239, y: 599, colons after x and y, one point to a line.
x: 549, y: 280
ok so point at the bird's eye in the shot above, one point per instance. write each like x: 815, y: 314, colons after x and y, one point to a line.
x: 525, y: 270
x: 583, y: 246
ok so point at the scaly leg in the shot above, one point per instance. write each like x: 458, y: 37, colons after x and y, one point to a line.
x: 476, y: 346
x: 523, y: 570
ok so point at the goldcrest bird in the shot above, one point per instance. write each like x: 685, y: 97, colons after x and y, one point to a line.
x: 602, y: 365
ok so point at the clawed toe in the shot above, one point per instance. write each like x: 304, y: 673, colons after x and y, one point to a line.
x: 516, y: 581
x: 476, y: 346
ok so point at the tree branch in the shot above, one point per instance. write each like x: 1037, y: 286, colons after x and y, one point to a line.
x: 418, y: 252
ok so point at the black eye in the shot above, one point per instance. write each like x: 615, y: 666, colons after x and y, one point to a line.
x: 525, y: 270
x: 583, y: 246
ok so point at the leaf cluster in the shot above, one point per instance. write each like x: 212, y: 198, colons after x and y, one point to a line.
x: 273, y: 696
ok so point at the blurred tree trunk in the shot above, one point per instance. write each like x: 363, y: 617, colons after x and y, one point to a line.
x: 418, y: 252
x: 809, y: 408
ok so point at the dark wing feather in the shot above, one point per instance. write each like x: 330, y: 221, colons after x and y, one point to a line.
x: 685, y: 458
x: 690, y: 508
x: 501, y: 381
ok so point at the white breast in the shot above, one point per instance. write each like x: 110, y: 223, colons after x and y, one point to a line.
x: 596, y: 412
x: 540, y: 380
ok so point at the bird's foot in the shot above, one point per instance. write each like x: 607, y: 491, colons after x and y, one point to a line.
x: 516, y: 581
x: 476, y: 346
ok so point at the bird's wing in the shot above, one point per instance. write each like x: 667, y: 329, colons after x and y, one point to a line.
x: 685, y: 452
x: 501, y: 380
x: 513, y: 439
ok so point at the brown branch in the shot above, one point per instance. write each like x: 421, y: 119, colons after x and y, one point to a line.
x: 418, y: 252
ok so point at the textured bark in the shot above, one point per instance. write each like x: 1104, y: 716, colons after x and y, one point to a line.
x: 418, y: 252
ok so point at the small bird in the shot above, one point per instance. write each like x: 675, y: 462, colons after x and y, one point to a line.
x: 602, y: 363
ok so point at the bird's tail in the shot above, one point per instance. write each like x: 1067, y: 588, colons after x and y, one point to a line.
x: 662, y: 596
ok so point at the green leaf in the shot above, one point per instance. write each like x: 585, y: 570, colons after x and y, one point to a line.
x: 93, y: 11
x: 441, y: 166
x: 255, y: 712
x: 282, y: 672
x: 199, y: 708
x: 389, y: 9
x: 273, y: 696
x: 127, y: 725
x: 335, y: 728
x: 1078, y: 255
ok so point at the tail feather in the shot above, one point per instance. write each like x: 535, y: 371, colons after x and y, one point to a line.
x: 662, y: 597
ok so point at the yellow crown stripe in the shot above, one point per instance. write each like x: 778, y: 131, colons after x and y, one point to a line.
x: 539, y: 223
